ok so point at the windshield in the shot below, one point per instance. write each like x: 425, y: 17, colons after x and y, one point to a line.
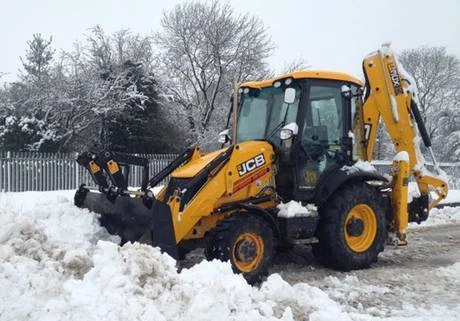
x: 262, y: 113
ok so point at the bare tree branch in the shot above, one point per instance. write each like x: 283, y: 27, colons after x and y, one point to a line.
x: 437, y: 76
x: 205, y: 46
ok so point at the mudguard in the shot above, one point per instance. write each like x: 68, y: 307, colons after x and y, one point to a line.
x: 333, y: 179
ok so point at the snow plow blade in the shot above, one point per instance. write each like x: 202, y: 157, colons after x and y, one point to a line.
x: 130, y: 218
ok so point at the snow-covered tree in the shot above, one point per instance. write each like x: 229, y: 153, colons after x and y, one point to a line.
x: 437, y: 76
x: 26, y: 134
x: 24, y: 105
x: 205, y: 47
x: 39, y: 55
x: 131, y: 113
x: 101, y: 95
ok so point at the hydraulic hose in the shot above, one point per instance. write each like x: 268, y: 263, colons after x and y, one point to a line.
x: 420, y: 124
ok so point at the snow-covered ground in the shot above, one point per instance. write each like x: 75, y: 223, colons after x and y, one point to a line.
x: 57, y: 263
x: 452, y: 197
x: 437, y: 216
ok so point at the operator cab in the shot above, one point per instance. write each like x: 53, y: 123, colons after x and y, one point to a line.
x: 317, y: 108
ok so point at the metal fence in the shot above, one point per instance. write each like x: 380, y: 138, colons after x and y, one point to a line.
x: 32, y: 171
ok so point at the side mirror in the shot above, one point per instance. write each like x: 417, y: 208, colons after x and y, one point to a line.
x: 346, y: 91
x: 288, y: 131
x: 224, y: 136
x: 289, y: 95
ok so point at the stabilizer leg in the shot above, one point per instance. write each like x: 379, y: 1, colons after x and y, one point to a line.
x: 399, y: 196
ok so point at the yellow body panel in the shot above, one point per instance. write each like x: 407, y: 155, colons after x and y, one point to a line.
x: 204, y: 225
x: 391, y: 106
x: 195, y: 165
x: 243, y: 176
x: 315, y: 74
x: 399, y: 195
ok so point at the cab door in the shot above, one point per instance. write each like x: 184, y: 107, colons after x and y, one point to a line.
x: 324, y: 121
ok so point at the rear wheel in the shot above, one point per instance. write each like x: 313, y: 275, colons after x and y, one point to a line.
x: 246, y: 241
x: 352, y: 228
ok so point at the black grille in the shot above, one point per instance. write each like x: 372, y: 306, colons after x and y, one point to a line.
x: 176, y: 183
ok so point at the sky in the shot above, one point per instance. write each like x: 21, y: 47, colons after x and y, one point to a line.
x: 332, y: 35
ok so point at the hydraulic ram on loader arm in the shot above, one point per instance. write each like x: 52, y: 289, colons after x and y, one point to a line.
x: 391, y: 95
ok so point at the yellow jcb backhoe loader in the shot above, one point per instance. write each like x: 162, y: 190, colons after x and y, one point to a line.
x: 295, y: 137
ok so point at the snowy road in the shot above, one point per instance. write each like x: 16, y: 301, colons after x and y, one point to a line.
x: 418, y: 282
x: 424, y: 275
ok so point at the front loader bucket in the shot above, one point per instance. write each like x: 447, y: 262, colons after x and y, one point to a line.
x: 123, y: 215
x: 130, y: 218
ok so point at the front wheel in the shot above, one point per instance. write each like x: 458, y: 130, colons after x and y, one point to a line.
x: 352, y: 228
x: 246, y: 241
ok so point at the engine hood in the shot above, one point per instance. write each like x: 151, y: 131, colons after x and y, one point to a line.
x: 195, y: 166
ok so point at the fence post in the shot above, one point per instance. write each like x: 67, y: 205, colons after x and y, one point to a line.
x: 2, y: 173
x: 77, y: 177
x: 8, y: 171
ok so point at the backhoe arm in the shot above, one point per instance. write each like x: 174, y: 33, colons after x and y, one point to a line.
x: 390, y: 96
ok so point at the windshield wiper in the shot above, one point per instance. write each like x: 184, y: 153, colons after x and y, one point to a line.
x: 281, y: 124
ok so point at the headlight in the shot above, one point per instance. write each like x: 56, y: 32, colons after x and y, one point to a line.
x: 286, y: 133
x: 224, y: 136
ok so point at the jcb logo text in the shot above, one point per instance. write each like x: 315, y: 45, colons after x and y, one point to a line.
x: 395, y: 79
x: 251, y: 164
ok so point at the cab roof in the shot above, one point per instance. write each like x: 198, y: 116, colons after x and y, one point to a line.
x: 315, y: 74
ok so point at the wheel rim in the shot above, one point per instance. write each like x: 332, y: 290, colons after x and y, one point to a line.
x: 360, y: 228
x: 248, y: 251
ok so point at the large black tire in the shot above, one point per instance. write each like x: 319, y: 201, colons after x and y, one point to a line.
x: 246, y: 241
x: 352, y: 228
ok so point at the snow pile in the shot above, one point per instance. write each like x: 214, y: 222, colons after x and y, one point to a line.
x: 446, y: 215
x: 437, y: 216
x: 413, y: 191
x: 57, y: 263
x: 401, y: 157
x: 363, y: 166
x: 296, y: 209
x: 453, y: 196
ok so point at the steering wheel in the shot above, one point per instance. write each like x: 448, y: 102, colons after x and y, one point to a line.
x: 316, y: 149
